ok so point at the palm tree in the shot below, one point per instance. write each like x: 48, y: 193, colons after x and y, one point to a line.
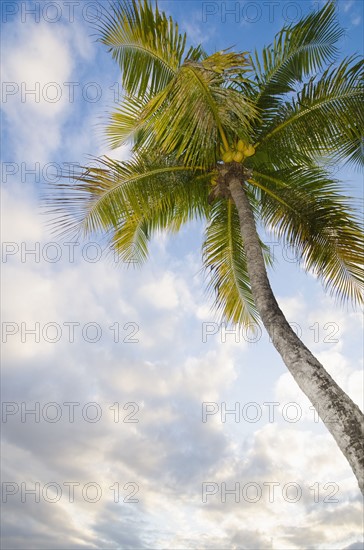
x: 234, y: 139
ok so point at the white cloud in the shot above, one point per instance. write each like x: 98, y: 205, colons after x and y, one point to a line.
x: 168, y: 372
x: 348, y: 5
x: 356, y: 20
x: 293, y: 307
x: 198, y: 32
x: 167, y: 293
x: 35, y: 58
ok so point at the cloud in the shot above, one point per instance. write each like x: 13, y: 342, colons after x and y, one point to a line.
x: 162, y: 294
x: 347, y: 5
x: 37, y: 100
x: 198, y: 32
x: 148, y: 373
x: 169, y: 452
x: 355, y: 546
x: 356, y: 20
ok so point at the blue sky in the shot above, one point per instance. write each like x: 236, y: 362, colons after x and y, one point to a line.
x: 171, y: 357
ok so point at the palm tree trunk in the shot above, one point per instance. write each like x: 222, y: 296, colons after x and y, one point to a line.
x: 338, y: 412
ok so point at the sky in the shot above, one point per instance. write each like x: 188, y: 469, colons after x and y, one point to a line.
x: 131, y: 418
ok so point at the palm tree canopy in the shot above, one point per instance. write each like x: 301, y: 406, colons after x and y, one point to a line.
x: 183, y: 109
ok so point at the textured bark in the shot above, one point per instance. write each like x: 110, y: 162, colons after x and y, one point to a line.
x: 341, y: 416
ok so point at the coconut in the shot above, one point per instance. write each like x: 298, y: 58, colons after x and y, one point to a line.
x: 249, y: 151
x: 228, y: 156
x: 238, y: 156
x: 241, y: 146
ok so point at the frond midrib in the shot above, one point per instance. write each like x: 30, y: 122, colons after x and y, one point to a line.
x: 151, y: 52
x: 299, y: 114
x: 285, y: 61
x: 231, y: 252
x: 210, y: 101
x: 138, y: 177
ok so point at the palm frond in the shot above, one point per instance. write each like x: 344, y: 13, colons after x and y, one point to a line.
x: 191, y: 116
x: 179, y: 108
x: 227, y: 63
x: 326, y: 118
x: 196, y: 53
x: 297, y: 51
x: 225, y: 265
x: 320, y: 224
x: 126, y: 123
x: 145, y: 43
x: 128, y: 201
x: 130, y: 241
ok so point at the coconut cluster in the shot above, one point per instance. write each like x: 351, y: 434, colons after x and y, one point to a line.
x: 238, y: 153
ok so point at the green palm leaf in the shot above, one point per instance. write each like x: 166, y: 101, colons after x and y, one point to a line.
x: 297, y: 51
x: 145, y: 43
x: 319, y: 223
x: 126, y: 123
x: 225, y: 265
x: 193, y: 115
x: 177, y: 112
x: 128, y: 201
x: 326, y: 118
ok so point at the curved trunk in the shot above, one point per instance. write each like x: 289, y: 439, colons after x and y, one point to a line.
x: 341, y: 416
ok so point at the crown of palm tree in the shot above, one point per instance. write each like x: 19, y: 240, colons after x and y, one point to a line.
x: 182, y: 109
